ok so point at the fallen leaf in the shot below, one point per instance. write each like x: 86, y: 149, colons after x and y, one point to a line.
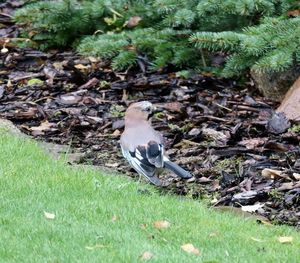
x: 171, y: 106
x: 253, y: 143
x: 285, y: 239
x: 116, y: 133
x: 214, y: 234
x: 114, y: 218
x: 35, y: 82
x: 252, y: 208
x: 264, y: 222
x: 273, y: 174
x: 189, y: 248
x: 49, y: 215
x: 144, y: 226
x: 93, y: 59
x: 4, y: 50
x: 95, y: 247
x: 162, y: 224
x: 81, y: 67
x: 39, y: 130
x: 296, y: 176
x: 256, y: 239
x: 146, y: 256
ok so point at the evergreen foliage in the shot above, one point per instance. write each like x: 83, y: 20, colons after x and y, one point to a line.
x: 53, y: 26
x: 272, y: 46
x: 255, y: 34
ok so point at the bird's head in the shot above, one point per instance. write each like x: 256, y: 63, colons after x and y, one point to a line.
x: 140, y: 111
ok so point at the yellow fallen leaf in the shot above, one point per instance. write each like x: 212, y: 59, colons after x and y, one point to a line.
x: 189, y: 248
x: 256, y: 239
x: 285, y: 239
x: 273, y: 174
x: 146, y: 256
x: 143, y: 226
x: 95, y: 247
x: 81, y: 67
x: 116, y: 133
x: 214, y: 234
x: 114, y: 218
x: 264, y: 222
x: 43, y: 126
x: 162, y: 224
x: 49, y: 215
x: 93, y: 59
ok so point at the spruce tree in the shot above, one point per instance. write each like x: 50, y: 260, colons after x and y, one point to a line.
x: 257, y: 34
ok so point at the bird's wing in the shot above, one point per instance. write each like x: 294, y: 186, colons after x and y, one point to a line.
x: 154, y: 153
x: 139, y: 161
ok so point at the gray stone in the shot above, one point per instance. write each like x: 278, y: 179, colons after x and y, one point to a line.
x: 275, y: 85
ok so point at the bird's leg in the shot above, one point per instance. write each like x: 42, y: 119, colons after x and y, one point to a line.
x: 140, y: 178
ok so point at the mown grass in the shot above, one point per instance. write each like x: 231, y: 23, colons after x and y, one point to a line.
x: 106, y: 218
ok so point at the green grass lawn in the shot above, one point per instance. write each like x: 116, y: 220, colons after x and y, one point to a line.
x: 108, y: 218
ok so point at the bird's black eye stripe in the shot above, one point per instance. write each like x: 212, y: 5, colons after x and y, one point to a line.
x: 150, y: 115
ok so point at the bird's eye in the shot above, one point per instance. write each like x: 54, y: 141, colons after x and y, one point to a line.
x: 148, y: 109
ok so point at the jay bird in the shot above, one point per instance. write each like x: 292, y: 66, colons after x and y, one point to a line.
x: 143, y: 147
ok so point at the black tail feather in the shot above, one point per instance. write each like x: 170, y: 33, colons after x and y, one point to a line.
x: 175, y: 168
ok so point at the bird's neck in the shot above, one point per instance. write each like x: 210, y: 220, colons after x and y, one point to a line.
x: 132, y: 122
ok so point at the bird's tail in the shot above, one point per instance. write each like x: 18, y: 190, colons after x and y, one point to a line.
x: 175, y: 168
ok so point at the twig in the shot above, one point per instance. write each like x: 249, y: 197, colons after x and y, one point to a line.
x: 33, y: 75
x: 221, y: 106
x: 4, y: 14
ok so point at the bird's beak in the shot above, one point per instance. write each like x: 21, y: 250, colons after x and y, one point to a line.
x: 157, y: 108
x: 153, y: 111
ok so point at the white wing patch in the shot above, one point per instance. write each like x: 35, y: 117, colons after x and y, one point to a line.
x: 137, y: 162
